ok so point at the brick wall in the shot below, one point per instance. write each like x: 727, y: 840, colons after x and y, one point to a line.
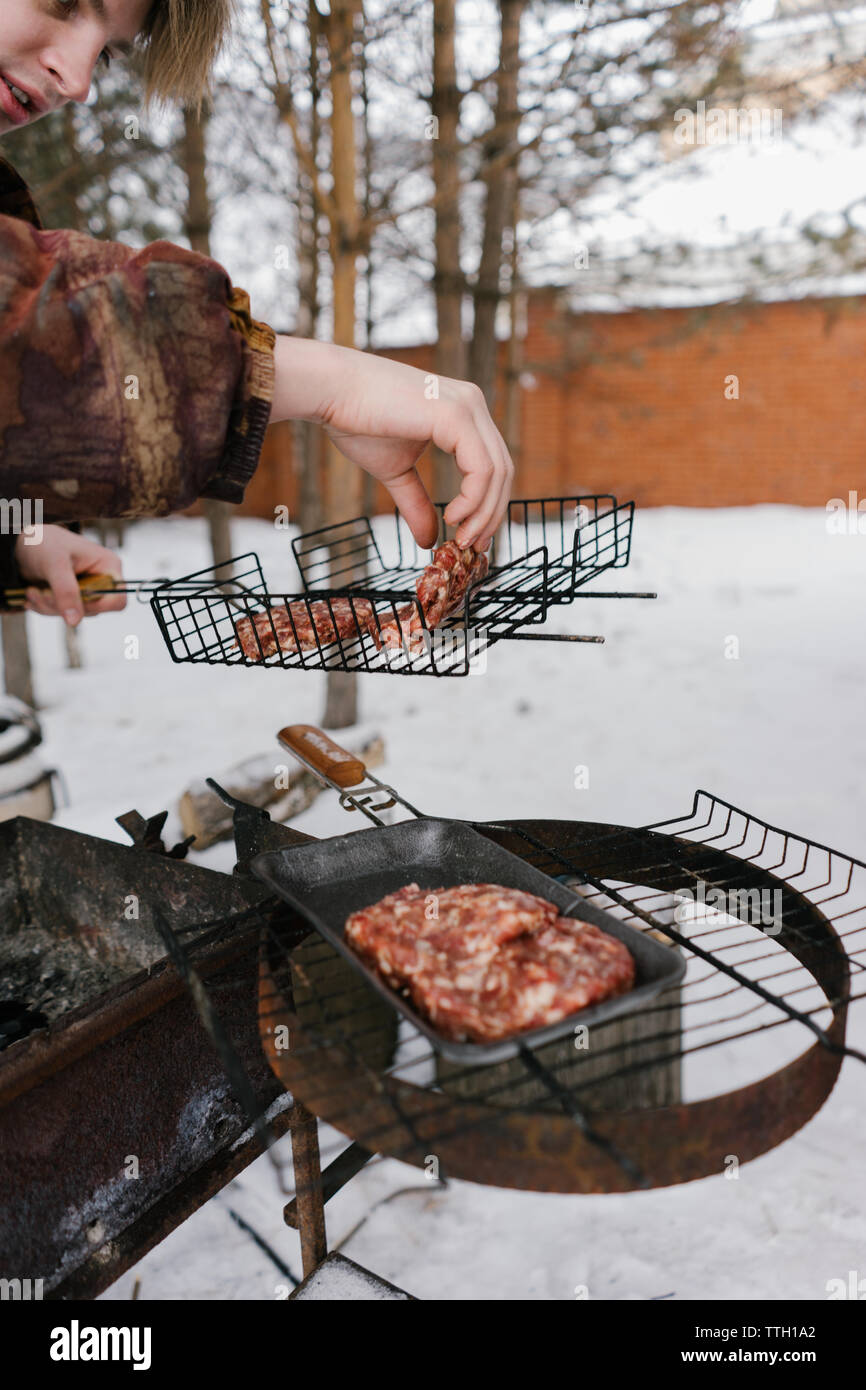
x: 635, y: 404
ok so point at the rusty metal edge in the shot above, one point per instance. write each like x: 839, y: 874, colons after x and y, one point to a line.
x: 113, y: 1259
x: 48, y: 1051
x: 545, y: 1152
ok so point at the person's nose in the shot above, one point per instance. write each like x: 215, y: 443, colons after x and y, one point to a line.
x: 70, y: 73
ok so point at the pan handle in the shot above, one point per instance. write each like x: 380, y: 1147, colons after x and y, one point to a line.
x: 321, y: 753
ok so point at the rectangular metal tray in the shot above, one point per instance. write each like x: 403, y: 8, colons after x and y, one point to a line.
x: 328, y: 880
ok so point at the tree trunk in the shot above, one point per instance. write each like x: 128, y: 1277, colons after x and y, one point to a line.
x: 72, y: 644
x: 448, y: 280
x: 344, y: 478
x: 517, y: 330
x: 111, y: 531
x: 198, y: 215
x: 198, y: 221
x: 307, y: 442
x: 335, y: 493
x: 499, y: 183
x: 345, y: 492
x: 368, y: 483
x: 17, y: 672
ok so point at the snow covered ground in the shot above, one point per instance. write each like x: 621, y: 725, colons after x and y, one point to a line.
x: 660, y: 709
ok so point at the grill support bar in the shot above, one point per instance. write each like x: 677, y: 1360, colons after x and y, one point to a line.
x: 345, y: 1166
x: 309, y: 1201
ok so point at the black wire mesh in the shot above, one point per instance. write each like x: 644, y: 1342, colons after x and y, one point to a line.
x: 359, y: 602
x: 774, y: 954
x: 773, y: 928
x: 581, y: 536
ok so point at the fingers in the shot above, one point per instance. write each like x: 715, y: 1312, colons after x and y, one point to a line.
x: 64, y: 560
x: 65, y: 595
x: 100, y: 561
x: 488, y: 517
x: 410, y: 497
x: 483, y: 459
x: 38, y: 601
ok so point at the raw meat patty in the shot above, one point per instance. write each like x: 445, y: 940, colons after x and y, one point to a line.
x: 314, y: 623
x: 533, y: 980
x: 441, y: 589
x: 492, y: 962
x: 466, y: 923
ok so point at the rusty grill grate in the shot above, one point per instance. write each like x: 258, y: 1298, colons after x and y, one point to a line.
x: 773, y: 929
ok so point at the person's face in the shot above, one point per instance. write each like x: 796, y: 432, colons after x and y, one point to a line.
x: 50, y: 48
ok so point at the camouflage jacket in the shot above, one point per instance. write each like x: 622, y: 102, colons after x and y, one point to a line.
x: 131, y: 382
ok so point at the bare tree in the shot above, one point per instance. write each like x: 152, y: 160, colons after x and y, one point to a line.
x: 198, y: 222
x: 500, y: 156
x: 307, y: 441
x: 345, y: 492
x: 343, y: 486
x: 448, y: 281
x: 17, y: 670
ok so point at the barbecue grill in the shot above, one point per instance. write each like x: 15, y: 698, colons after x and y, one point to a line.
x: 771, y: 927
x: 759, y: 983
x: 102, y: 1055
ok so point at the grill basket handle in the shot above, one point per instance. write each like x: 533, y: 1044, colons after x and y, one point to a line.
x: 319, y: 752
x: 90, y: 586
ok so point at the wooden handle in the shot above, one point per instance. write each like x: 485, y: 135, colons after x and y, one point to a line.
x: 87, y: 584
x: 314, y: 747
x: 98, y: 582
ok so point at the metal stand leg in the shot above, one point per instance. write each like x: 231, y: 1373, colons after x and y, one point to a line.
x: 308, y: 1208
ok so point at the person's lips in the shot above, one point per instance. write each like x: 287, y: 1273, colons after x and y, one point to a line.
x: 18, y: 102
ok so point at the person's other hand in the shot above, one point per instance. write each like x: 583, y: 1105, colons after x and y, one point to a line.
x: 59, y: 559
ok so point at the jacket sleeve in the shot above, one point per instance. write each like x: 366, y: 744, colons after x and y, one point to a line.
x: 10, y: 575
x: 131, y: 382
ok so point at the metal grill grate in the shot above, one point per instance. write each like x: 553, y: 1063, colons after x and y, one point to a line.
x: 546, y: 552
x: 713, y: 1068
x: 578, y: 536
x: 747, y: 982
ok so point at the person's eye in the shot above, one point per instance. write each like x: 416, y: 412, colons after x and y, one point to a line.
x: 66, y: 7
x: 105, y: 58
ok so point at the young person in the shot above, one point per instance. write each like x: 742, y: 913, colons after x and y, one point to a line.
x: 80, y: 318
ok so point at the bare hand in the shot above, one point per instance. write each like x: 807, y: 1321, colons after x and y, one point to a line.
x: 382, y: 415
x: 58, y: 559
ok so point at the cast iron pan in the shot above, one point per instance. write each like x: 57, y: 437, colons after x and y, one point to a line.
x: 328, y: 880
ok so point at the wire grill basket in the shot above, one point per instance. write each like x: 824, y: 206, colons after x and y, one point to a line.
x: 359, y: 582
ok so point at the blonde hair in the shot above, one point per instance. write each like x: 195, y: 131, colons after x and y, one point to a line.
x: 180, y: 43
